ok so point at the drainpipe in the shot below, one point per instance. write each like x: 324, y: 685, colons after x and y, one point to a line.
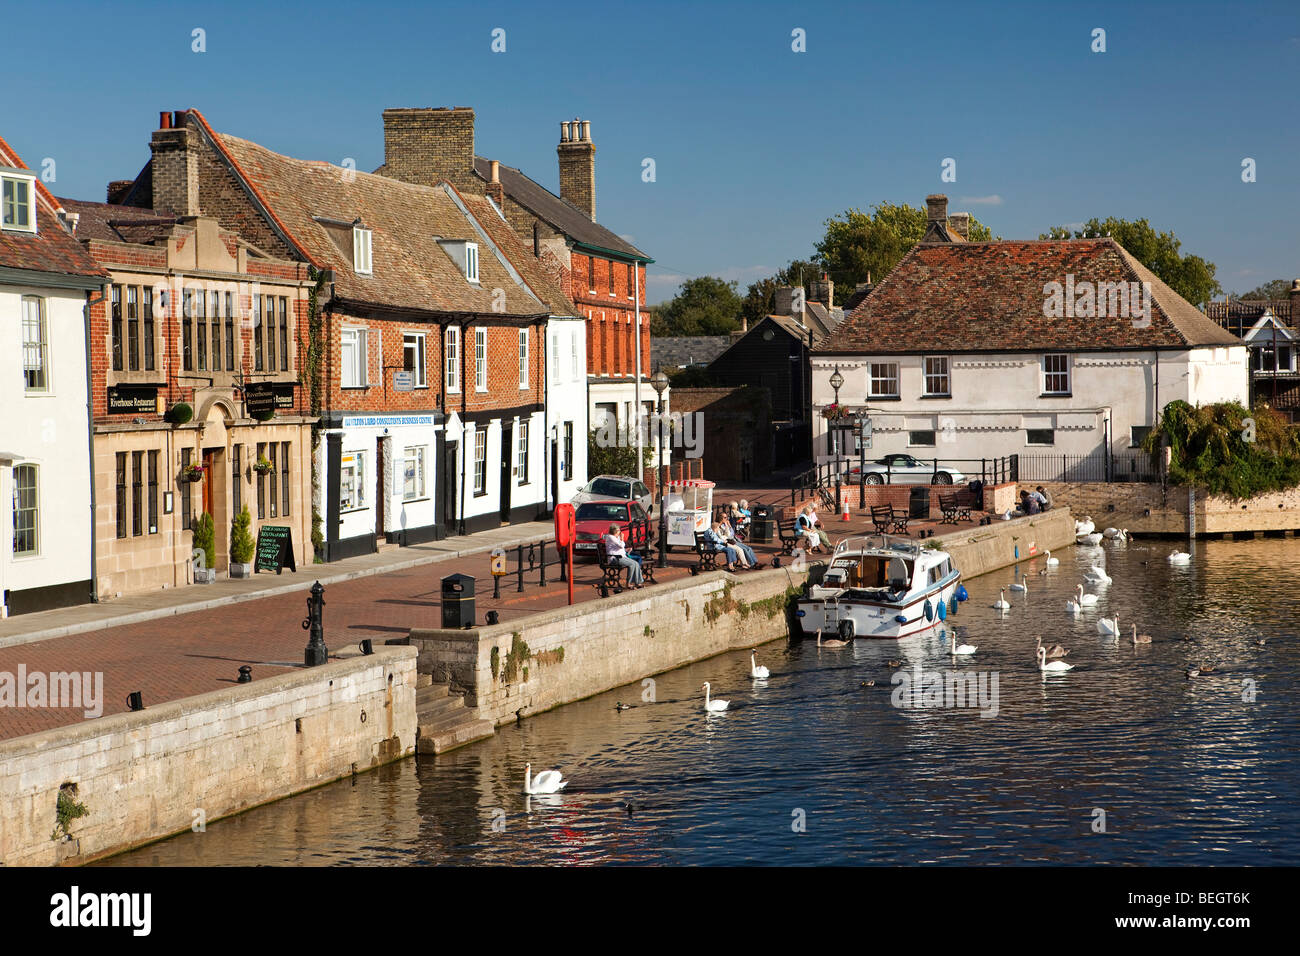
x: 90, y: 439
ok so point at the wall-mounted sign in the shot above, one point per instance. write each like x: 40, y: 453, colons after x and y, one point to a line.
x: 385, y: 421
x: 403, y: 381
x: 132, y: 399
x: 263, y: 397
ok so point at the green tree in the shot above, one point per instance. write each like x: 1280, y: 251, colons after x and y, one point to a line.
x: 1190, y: 276
x: 607, y: 457
x: 703, y: 306
x: 1277, y: 289
x: 858, y: 244
x: 761, y: 296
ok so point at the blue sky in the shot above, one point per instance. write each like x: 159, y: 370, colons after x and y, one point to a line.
x: 755, y: 146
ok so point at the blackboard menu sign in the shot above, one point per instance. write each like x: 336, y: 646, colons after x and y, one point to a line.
x: 274, y: 549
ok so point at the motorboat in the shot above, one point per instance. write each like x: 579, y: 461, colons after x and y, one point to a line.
x: 881, y: 586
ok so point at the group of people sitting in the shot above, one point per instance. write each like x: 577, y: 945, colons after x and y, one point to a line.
x: 723, y: 537
x: 1034, y: 502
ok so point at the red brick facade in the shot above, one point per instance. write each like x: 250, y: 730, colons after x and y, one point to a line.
x: 611, y: 317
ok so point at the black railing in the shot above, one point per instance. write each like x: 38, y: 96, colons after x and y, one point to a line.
x: 987, y: 470
x: 1136, y: 466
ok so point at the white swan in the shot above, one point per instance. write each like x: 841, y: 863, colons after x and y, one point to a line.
x: 1085, y: 526
x: 1122, y: 536
x: 1111, y: 532
x: 1092, y: 538
x: 1108, y: 625
x: 1179, y: 557
x: 1020, y: 586
x: 1072, y: 607
x: 1001, y: 603
x: 1043, y: 665
x: 1055, y: 652
x: 1086, y: 600
x: 1051, y: 561
x: 961, y: 648
x: 830, y: 642
x: 1097, y: 575
x: 713, y: 706
x: 548, y: 781
x: 756, y: 670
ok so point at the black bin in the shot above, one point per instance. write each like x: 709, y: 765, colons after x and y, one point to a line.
x: 457, y: 601
x: 760, y: 524
x: 919, y: 503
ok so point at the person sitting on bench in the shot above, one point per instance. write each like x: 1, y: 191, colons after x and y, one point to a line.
x: 803, y: 527
x: 714, y: 540
x: 616, y: 553
x: 730, y: 537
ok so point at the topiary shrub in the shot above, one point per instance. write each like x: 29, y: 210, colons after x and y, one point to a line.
x: 242, y: 544
x: 180, y: 413
x: 205, y: 537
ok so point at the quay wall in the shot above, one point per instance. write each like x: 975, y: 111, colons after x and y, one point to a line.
x: 979, y: 550
x: 143, y: 775
x: 1147, y: 508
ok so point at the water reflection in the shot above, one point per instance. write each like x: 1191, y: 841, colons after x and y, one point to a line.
x: 1186, y: 771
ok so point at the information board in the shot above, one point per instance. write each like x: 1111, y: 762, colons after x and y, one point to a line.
x: 274, y: 549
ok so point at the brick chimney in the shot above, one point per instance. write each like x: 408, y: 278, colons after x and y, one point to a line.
x: 495, y: 190
x: 425, y: 145
x: 936, y: 208
x: 822, y: 290
x: 784, y: 300
x: 175, y: 166
x: 578, y: 165
x: 1294, y: 297
x: 959, y: 222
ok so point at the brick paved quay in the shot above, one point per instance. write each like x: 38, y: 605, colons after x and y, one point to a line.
x: 181, y: 652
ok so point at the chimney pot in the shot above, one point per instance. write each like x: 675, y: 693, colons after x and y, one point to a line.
x: 165, y: 119
x: 586, y: 131
x: 496, y: 171
x: 577, y: 157
x: 564, y: 132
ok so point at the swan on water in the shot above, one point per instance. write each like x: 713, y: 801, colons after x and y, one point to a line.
x: 1051, y: 561
x: 1043, y: 664
x: 1072, y: 607
x: 1179, y: 557
x: 1001, y: 603
x: 1085, y: 526
x: 1094, y: 538
x: 961, y: 648
x: 1108, y: 625
x: 756, y: 670
x: 1140, y: 638
x: 1097, y: 575
x: 548, y: 781
x: 830, y: 641
x: 713, y: 706
x: 1085, y: 600
x: 1055, y: 652
x: 1110, y: 532
x: 1020, y: 586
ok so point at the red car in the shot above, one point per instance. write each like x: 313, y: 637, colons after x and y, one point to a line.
x: 594, y: 518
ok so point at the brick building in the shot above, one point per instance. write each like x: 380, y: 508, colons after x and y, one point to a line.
x: 602, y: 273
x: 428, y: 373
x: 46, y: 284
x: 1270, y: 328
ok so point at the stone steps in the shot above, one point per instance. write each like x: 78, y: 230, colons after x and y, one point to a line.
x: 444, y: 722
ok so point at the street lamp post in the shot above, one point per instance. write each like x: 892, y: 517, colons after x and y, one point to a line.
x: 659, y: 381
x: 837, y: 380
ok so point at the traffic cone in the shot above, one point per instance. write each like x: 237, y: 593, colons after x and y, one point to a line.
x: 844, y: 507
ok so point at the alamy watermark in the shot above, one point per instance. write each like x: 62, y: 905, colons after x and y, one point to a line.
x: 920, y: 689
x: 1098, y: 300
x: 82, y: 690
x: 676, y: 430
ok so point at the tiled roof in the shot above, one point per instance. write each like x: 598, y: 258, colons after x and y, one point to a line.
x: 315, y: 202
x: 114, y: 223
x: 989, y: 297
x: 1240, y: 315
x: 530, y: 268
x: 678, y: 350
x: 52, y: 249
x: 561, y: 214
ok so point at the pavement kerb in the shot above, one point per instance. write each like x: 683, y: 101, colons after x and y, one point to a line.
x: 299, y: 584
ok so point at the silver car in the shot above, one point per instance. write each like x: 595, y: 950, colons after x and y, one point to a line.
x: 615, y: 488
x: 904, y: 470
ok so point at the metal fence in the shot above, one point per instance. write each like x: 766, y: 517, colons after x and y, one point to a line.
x: 1136, y: 466
x: 990, y: 471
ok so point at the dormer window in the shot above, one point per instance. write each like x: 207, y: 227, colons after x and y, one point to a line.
x: 361, y: 251
x: 471, y: 261
x: 464, y: 254
x: 17, y: 202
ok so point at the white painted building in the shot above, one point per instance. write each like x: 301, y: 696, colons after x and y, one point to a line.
x: 961, y: 355
x: 566, y: 407
x: 46, y: 280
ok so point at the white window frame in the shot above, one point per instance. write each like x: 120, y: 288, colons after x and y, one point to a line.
x: 480, y: 461
x: 573, y: 356
x: 928, y: 376
x: 357, y: 483
x: 451, y: 358
x: 480, y: 358
x: 36, y: 509
x: 413, y: 478
x: 39, y: 347
x: 521, y: 458
x: 363, y: 259
x: 359, y: 367
x: 523, y: 358
x: 416, y: 340
x: 872, y: 377
x: 471, y: 261
x: 11, y: 181
x: 1066, y: 372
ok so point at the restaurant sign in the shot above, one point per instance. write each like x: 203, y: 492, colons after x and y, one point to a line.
x: 123, y: 400
x: 264, y: 397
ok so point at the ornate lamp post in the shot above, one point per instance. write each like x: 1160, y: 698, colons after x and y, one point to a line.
x: 659, y: 381
x: 837, y: 380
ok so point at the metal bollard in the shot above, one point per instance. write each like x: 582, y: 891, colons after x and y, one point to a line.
x: 542, y: 550
x: 520, y: 589
x: 316, y: 652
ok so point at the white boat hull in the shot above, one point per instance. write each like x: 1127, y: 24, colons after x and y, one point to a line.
x: 874, y: 620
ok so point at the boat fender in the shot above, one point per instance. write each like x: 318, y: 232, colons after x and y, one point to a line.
x: 929, y: 611
x: 943, y: 610
x: 961, y: 592
x: 800, y: 613
x: 846, y: 630
x: 900, y: 618
x: 953, y: 604
x: 1017, y: 552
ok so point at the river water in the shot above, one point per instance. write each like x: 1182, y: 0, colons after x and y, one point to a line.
x: 1122, y: 760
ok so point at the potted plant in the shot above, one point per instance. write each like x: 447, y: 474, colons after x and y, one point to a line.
x: 204, y: 540
x: 242, y: 545
x: 192, y: 472
x: 834, y: 411
x: 262, y: 466
x: 180, y: 413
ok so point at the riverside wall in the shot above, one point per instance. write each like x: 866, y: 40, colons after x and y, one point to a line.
x: 149, y: 774
x: 1145, y: 508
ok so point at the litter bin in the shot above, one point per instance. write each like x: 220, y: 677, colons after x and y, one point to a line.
x: 760, y: 524
x: 457, y: 601
x: 919, y: 503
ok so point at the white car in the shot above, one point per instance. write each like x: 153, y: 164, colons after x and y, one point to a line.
x: 615, y: 488
x: 904, y: 470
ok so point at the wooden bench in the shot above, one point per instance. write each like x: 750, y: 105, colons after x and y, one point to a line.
x: 889, y: 519
x: 788, y: 541
x: 708, y: 558
x: 955, y: 507
x: 611, y: 574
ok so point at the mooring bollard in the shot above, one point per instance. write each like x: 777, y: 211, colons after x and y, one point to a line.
x: 520, y: 589
x: 542, y: 550
x: 316, y: 653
